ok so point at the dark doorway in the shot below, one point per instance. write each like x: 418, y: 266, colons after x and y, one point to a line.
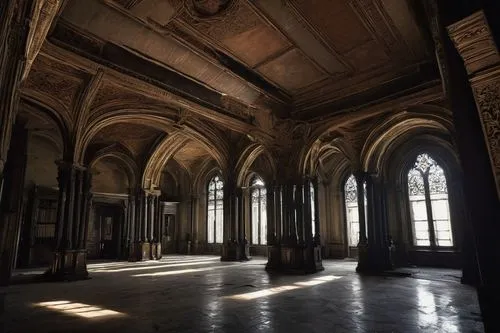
x: 109, y: 221
x: 168, y: 239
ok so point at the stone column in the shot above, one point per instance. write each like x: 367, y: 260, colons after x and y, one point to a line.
x: 294, y: 253
x: 378, y: 247
x: 307, y: 213
x: 145, y: 218
x: 158, y: 226
x: 70, y: 256
x: 278, y: 213
x: 271, y: 215
x: 299, y: 213
x: 475, y: 99
x: 242, y: 240
x: 11, y: 205
x: 317, y: 231
x: 231, y: 251
x: 363, y: 259
x: 194, y: 222
x: 86, y: 209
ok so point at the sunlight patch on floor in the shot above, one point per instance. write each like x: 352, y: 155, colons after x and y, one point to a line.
x: 126, y: 269
x: 277, y: 290
x: 78, y: 309
x: 182, y: 271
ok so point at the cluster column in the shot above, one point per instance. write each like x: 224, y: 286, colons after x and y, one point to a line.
x: 145, y: 226
x: 70, y: 256
x: 233, y: 249
x: 294, y: 249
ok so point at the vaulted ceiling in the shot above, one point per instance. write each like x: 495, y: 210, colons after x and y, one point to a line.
x: 298, y: 58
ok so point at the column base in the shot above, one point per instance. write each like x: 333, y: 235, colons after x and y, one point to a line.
x: 152, y: 251
x: 273, y: 257
x: 295, y: 259
x: 68, y: 265
x: 489, y: 298
x: 140, y: 251
x: 373, y: 260
x: 235, y: 252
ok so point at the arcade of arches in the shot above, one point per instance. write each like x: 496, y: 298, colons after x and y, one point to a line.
x: 134, y: 129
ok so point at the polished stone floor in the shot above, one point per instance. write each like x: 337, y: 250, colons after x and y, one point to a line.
x: 202, y: 294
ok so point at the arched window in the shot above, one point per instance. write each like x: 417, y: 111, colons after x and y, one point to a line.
x: 351, y: 208
x: 258, y: 211
x: 428, y: 195
x: 215, y: 211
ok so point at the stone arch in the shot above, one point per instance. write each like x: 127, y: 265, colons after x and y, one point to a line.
x: 398, y: 129
x: 197, y: 131
x: 53, y: 114
x: 394, y: 170
x: 118, y: 153
x: 250, y: 155
x: 209, y: 170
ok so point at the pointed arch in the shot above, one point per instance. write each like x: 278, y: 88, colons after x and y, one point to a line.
x: 397, y: 129
x: 120, y: 153
x: 247, y: 159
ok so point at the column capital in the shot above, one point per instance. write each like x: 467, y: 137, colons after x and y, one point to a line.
x: 360, y: 176
x: 474, y: 41
x: 67, y: 165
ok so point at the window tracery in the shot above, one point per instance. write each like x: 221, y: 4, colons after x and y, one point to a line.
x: 429, y: 207
x: 258, y: 206
x: 215, y: 211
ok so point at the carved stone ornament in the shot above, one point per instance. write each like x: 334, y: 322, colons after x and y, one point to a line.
x: 475, y: 43
x: 487, y: 95
x: 207, y: 8
x: 473, y: 40
x: 210, y: 7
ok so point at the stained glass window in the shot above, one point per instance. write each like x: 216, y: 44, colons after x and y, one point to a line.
x: 258, y: 211
x: 429, y: 208
x: 215, y: 211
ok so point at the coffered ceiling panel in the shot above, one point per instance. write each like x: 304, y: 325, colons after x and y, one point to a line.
x: 296, y: 30
x: 292, y: 71
x: 256, y: 45
x: 241, y: 31
x: 273, y: 54
x: 336, y: 20
x: 367, y: 56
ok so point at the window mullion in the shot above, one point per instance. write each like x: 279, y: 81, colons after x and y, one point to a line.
x: 428, y: 206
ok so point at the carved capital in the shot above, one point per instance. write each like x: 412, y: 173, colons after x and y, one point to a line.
x: 473, y: 40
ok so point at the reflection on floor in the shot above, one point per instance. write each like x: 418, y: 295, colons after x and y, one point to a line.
x: 202, y: 294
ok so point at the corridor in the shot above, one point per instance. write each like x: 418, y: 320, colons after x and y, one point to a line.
x: 203, y: 294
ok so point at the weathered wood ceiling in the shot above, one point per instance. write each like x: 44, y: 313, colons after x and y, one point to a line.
x: 301, y: 58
